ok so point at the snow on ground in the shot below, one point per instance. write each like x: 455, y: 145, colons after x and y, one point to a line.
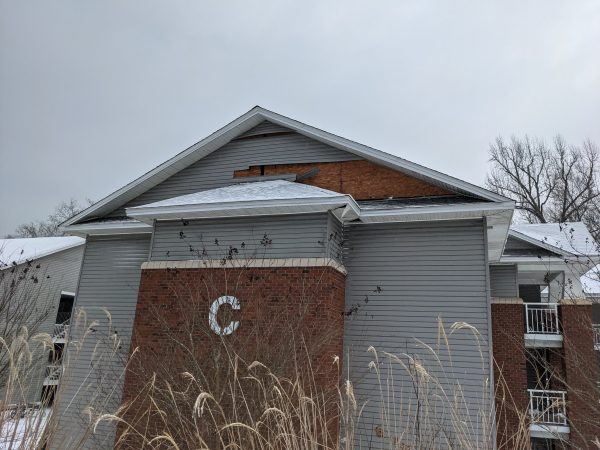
x: 23, y: 432
x: 21, y: 249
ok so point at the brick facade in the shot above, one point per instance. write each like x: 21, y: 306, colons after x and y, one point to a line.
x: 581, y: 374
x: 573, y: 368
x: 291, y: 320
x: 362, y: 179
x: 510, y: 371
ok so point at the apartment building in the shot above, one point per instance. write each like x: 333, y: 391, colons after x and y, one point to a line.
x: 38, y: 280
x: 544, y: 338
x: 402, y: 250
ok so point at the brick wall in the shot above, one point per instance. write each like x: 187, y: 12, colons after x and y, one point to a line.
x: 362, y: 179
x: 510, y: 371
x: 581, y: 373
x: 291, y: 320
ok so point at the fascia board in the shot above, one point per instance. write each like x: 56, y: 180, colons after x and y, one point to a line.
x: 422, y: 213
x: 102, y: 228
x: 245, y: 208
x: 581, y: 260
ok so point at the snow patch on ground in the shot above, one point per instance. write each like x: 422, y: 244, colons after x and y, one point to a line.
x: 23, y: 432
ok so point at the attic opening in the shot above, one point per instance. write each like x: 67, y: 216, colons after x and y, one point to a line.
x: 65, y: 308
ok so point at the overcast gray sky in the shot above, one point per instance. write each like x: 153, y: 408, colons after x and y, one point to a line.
x: 95, y: 93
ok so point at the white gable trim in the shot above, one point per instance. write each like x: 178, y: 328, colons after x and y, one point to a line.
x: 244, y: 123
x: 109, y: 228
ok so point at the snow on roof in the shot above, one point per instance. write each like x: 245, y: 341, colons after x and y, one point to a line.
x: 571, y: 237
x: 247, y: 192
x: 21, y: 249
x: 591, y: 282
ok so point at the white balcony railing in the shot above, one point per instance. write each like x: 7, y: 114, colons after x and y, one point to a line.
x: 53, y: 373
x: 596, y: 329
x: 541, y: 318
x: 60, y: 331
x: 547, y: 407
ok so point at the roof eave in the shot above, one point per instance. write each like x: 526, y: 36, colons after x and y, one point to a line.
x: 111, y: 228
x: 460, y: 211
x: 244, y: 208
x: 498, y: 217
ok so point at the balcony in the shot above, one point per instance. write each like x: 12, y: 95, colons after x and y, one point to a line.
x: 52, y: 375
x: 596, y: 329
x: 541, y: 325
x: 60, y: 332
x: 548, y: 414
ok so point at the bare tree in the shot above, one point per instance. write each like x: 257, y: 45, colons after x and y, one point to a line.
x: 50, y: 226
x: 550, y: 183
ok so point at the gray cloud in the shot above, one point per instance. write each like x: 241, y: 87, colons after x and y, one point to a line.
x: 93, y: 94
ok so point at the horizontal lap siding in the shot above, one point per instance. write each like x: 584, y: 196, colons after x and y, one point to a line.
x: 265, y: 127
x: 57, y: 272
x: 216, y: 170
x: 401, y: 278
x: 301, y: 236
x: 109, y: 279
x: 503, y: 281
x: 515, y: 246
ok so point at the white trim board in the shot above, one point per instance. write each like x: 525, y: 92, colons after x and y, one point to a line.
x: 261, y: 263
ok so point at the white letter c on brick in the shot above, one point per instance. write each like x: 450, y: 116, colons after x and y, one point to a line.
x: 214, y: 310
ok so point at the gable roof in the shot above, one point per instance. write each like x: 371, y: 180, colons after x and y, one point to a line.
x: 17, y: 251
x: 567, y: 239
x: 248, y: 121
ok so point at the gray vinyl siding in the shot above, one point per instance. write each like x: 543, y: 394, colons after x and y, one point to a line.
x: 293, y: 236
x: 57, y: 272
x: 216, y: 170
x: 518, y: 247
x: 265, y: 127
x: 335, y: 238
x: 401, y: 278
x: 109, y: 279
x: 504, y: 281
